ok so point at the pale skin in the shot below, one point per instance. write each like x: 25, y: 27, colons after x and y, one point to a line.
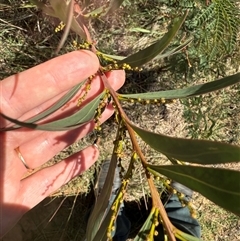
x: 25, y: 95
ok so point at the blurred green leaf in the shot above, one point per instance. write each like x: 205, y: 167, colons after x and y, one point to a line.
x: 147, y: 54
x: 188, y: 150
x: 46, y: 9
x: 61, y: 10
x: 114, y: 5
x: 187, y: 92
x: 104, y: 10
x: 81, y: 117
x: 95, y: 12
x: 68, y: 23
x: 218, y: 185
x: 140, y: 30
x: 52, y: 109
x: 145, y: 229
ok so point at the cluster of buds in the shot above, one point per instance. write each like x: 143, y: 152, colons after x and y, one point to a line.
x: 84, y: 45
x: 60, y: 27
x: 165, y: 182
x: 184, y: 199
x: 116, y: 66
x: 111, y: 64
x: 119, y: 143
x: 115, y: 207
x: 87, y: 89
x: 149, y: 101
x: 107, y: 62
x: 101, y: 107
x: 120, y: 196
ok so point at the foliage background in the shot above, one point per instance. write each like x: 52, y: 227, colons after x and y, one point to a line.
x: 27, y: 38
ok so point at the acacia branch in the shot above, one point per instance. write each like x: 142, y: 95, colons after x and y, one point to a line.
x: 154, y: 193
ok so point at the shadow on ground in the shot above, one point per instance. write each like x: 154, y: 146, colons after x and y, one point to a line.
x: 49, y: 220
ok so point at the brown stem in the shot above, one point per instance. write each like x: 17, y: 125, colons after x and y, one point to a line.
x: 154, y: 193
x: 170, y: 229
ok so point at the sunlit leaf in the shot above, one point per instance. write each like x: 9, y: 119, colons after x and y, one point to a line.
x: 147, y: 54
x: 81, y: 117
x: 218, y: 185
x: 187, y: 92
x: 188, y: 150
x: 53, y: 108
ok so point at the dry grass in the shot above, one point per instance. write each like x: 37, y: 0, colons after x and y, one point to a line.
x: 27, y: 38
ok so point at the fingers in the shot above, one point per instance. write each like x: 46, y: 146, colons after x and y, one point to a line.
x: 46, y: 145
x: 26, y: 90
x: 42, y: 183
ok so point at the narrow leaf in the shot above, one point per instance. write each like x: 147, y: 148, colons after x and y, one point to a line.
x: 187, y: 92
x: 110, y: 218
x: 52, y: 109
x: 101, y: 232
x: 100, y: 207
x: 147, y: 54
x: 81, y: 117
x: 218, y: 185
x: 117, y: 57
x: 188, y: 150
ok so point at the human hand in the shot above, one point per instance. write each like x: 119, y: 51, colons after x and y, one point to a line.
x: 25, y: 95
